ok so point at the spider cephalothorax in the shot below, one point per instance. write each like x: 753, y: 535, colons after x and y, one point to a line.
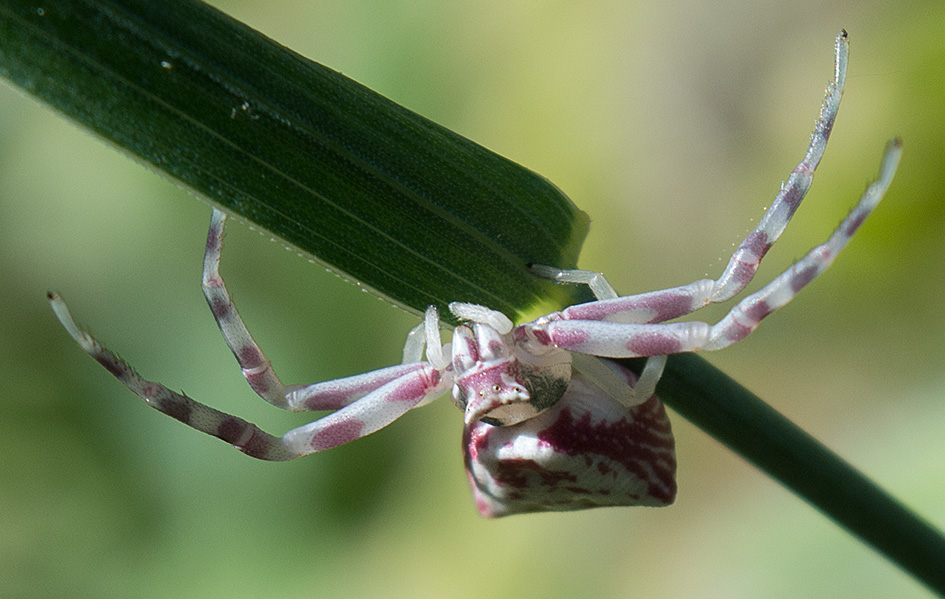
x: 550, y: 424
x: 497, y: 381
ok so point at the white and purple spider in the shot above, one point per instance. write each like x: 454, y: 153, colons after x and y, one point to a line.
x: 549, y: 424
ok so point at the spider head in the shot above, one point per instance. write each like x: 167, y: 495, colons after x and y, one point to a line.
x: 498, y: 384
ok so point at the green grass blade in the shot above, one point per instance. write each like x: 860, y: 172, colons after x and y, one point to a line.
x: 390, y: 199
x: 748, y: 426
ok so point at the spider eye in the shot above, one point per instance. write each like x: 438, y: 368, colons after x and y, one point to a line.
x: 496, y: 388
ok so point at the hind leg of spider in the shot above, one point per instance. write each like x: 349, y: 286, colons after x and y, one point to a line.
x: 373, y: 410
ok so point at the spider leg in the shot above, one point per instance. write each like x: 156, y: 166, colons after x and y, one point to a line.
x: 329, y: 395
x: 236, y: 431
x: 256, y: 368
x: 622, y: 340
x: 598, y: 283
x: 370, y: 413
x: 426, y: 337
x: 395, y: 391
x: 649, y: 377
x: 659, y: 306
x: 620, y: 384
x: 626, y: 392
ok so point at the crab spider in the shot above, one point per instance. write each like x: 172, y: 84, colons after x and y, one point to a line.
x: 550, y: 424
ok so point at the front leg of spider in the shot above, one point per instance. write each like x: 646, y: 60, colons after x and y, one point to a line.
x: 362, y: 404
x: 634, y: 326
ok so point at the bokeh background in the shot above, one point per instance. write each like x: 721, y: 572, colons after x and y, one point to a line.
x: 672, y: 124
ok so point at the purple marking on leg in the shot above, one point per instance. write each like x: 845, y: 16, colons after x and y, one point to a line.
x: 653, y: 344
x: 335, y: 395
x: 665, y: 305
x: 758, y: 310
x: 112, y: 363
x: 828, y: 126
x: 249, y: 356
x: 737, y: 331
x: 149, y: 389
x: 176, y: 408
x: 246, y: 437
x: 568, y: 338
x: 337, y: 434
x: 333, y: 399
x: 598, y: 310
x: 259, y: 446
x: 854, y: 221
x: 232, y: 430
x: 214, y: 237
x: 220, y: 308
x: 415, y: 387
x: 744, y: 272
x: 669, y: 306
x: 792, y: 198
x: 259, y: 381
x: 757, y: 243
x: 802, y: 277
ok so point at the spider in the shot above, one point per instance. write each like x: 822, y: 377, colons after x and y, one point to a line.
x: 550, y: 423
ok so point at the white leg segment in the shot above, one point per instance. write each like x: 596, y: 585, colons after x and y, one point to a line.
x: 415, y: 344
x: 646, y: 384
x: 744, y: 262
x: 746, y: 315
x: 618, y: 383
x: 600, y: 286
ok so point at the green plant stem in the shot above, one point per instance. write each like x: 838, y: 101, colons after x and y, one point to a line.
x: 399, y: 204
x: 727, y: 411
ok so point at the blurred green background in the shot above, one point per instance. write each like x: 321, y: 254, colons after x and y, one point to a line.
x: 672, y: 124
